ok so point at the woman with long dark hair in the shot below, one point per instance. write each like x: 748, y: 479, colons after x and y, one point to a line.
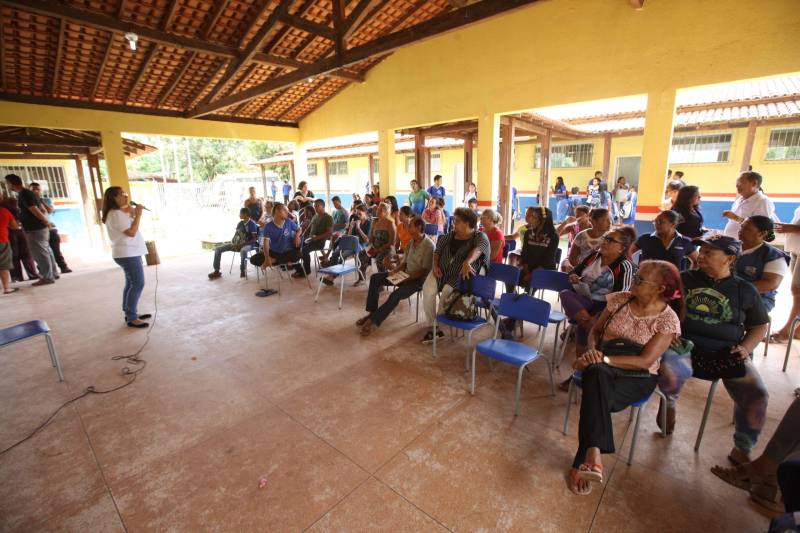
x: 127, y: 248
x: 622, y: 361
x: 539, y: 243
x: 687, y: 205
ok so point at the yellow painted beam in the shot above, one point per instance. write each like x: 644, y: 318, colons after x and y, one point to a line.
x: 488, y: 159
x: 386, y: 162
x: 115, y: 159
x: 659, y: 119
x: 47, y: 116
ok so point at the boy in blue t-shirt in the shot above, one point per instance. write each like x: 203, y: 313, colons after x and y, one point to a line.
x: 287, y: 190
x: 436, y: 190
x: 281, y: 238
x: 243, y: 241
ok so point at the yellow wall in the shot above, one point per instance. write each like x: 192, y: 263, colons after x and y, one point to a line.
x: 47, y: 116
x: 779, y: 176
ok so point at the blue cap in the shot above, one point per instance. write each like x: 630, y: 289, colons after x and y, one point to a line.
x: 729, y: 245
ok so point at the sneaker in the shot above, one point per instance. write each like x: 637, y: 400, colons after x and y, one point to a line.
x: 428, y: 338
x: 214, y: 275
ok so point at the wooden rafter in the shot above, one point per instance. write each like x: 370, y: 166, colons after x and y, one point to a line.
x: 93, y: 93
x: 221, y: 68
x: 307, y: 25
x: 300, y: 100
x: 338, y: 26
x: 255, y: 44
x: 364, y: 10
x: 168, y: 15
x: 121, y: 9
x: 176, y: 79
x: 435, y: 26
x: 2, y: 56
x: 219, y: 7
x: 59, y: 56
x: 151, y: 53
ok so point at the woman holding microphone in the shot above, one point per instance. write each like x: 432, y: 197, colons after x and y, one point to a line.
x: 127, y: 248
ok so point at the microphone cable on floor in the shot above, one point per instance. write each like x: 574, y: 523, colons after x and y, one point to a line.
x: 137, y: 366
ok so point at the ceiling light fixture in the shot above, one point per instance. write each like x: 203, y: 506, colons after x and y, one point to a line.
x: 311, y: 80
x: 132, y: 38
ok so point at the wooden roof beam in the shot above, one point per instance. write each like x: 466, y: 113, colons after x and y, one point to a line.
x: 363, y: 11
x: 338, y: 26
x: 288, y: 62
x: 168, y: 15
x: 300, y: 100
x: 142, y: 70
x: 59, y: 56
x: 219, y: 7
x: 101, y: 68
x: 443, y: 23
x: 176, y: 79
x: 306, y: 25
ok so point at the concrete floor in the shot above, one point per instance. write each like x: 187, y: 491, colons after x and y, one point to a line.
x: 350, y: 433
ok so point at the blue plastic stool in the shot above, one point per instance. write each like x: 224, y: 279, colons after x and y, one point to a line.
x: 28, y: 330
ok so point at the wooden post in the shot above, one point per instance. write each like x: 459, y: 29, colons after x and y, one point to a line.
x: 748, y: 145
x: 544, y: 167
x: 87, y: 210
x: 292, y: 175
x: 421, y: 161
x: 93, y: 162
x: 467, y: 161
x: 327, y: 182
x: 371, y: 164
x: 606, y: 156
x: 506, y: 163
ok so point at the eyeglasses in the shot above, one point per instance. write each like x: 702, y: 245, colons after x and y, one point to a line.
x: 638, y: 280
x: 606, y: 238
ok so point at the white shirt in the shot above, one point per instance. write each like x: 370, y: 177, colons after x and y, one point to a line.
x: 121, y: 245
x: 793, y: 239
x: 776, y: 266
x: 758, y: 204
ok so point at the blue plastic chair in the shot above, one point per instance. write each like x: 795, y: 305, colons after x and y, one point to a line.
x: 636, y: 409
x: 483, y: 288
x: 505, y: 274
x: 509, y: 247
x: 551, y: 280
x: 348, y: 247
x: 519, y: 307
x: 29, y: 330
x: 432, y: 230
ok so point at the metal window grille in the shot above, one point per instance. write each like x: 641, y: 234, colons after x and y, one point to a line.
x: 411, y: 164
x: 51, y: 178
x: 784, y: 145
x: 337, y: 168
x: 312, y: 169
x: 567, y: 155
x: 714, y: 148
x: 436, y: 162
x: 375, y: 165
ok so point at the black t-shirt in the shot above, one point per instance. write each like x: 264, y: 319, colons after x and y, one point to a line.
x: 25, y: 200
x: 692, y: 225
x: 539, y: 250
x: 719, y: 311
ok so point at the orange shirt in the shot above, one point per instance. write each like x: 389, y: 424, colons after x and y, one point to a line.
x: 403, y: 235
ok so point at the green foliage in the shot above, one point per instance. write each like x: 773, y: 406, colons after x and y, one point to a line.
x: 210, y: 157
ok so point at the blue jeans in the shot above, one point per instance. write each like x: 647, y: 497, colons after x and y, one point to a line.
x: 134, y: 284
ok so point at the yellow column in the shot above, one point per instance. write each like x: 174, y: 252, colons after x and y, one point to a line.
x: 386, y: 162
x: 659, y: 120
x: 488, y: 159
x: 300, y: 166
x: 115, y: 159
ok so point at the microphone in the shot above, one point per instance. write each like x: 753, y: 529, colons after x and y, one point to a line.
x: 134, y: 204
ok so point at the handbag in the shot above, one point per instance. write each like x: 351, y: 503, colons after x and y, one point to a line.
x: 721, y: 364
x: 461, y: 305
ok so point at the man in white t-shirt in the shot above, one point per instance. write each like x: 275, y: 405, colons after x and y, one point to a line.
x: 750, y: 201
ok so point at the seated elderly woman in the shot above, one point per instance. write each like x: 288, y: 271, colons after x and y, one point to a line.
x: 725, y: 320
x: 761, y: 264
x: 621, y: 365
x: 459, y: 254
x: 602, y: 272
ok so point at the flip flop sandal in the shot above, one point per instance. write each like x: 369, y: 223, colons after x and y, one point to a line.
x: 361, y: 321
x: 572, y: 484
x: 366, y: 330
x: 10, y: 291
x: 778, y: 339
x: 768, y: 496
x: 591, y: 472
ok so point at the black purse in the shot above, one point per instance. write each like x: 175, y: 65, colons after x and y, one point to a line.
x: 622, y: 347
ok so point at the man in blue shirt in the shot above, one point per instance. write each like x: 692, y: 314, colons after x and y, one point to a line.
x: 281, y: 242
x: 287, y: 190
x: 243, y: 241
x: 436, y: 190
x: 273, y: 189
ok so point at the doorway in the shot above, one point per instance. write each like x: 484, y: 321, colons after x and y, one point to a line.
x: 628, y: 166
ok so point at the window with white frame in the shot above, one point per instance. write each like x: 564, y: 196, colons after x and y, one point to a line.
x: 50, y: 177
x: 714, y: 148
x: 337, y: 168
x: 436, y: 162
x: 576, y: 155
x: 784, y: 145
x: 411, y: 164
x: 312, y: 169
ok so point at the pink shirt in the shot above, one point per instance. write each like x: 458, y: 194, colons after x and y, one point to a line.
x: 639, y: 329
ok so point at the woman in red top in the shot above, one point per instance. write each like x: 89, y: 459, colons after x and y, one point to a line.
x: 433, y: 215
x: 489, y: 221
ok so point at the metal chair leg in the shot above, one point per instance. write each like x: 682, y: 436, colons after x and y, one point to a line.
x: 519, y: 387
x: 707, y: 409
x: 341, y: 291
x: 555, y: 345
x: 472, y: 377
x: 662, y: 403
x: 766, y: 339
x: 789, y: 342
x: 54, y: 356
x: 637, y: 413
x: 434, y: 338
x: 319, y: 288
